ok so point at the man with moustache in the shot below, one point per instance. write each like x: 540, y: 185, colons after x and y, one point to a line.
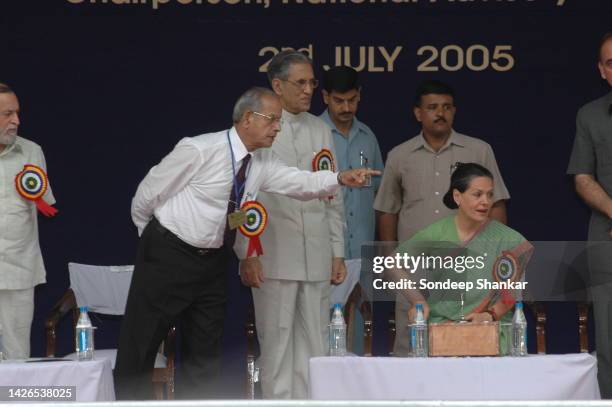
x: 21, y: 262
x: 356, y: 146
x: 303, y: 243
x: 187, y: 212
x: 417, y: 174
x: 591, y: 165
x: 353, y: 141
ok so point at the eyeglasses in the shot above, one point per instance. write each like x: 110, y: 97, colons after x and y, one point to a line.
x: 303, y: 83
x: 270, y: 118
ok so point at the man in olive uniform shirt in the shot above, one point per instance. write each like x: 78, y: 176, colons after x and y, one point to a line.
x: 417, y: 175
x: 591, y: 164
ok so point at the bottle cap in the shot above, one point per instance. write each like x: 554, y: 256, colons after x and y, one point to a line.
x: 419, y: 307
x: 83, y: 309
x: 519, y: 305
x: 338, y: 306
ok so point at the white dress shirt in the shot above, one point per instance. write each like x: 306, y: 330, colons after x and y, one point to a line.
x: 21, y: 262
x: 188, y: 191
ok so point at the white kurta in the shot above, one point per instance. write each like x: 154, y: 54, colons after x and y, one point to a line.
x: 292, y: 305
x: 21, y: 262
x: 302, y: 237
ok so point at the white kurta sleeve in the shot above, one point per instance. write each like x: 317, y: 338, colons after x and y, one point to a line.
x: 334, y: 211
x: 295, y: 183
x: 48, y: 197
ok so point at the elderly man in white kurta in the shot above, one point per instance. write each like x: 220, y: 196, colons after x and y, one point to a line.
x: 21, y: 263
x: 303, y: 244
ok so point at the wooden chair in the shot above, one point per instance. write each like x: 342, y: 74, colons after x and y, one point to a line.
x: 583, y: 324
x: 163, y: 372
x: 252, y: 376
x: 539, y: 313
x: 356, y: 300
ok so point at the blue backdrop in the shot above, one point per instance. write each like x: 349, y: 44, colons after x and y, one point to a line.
x: 108, y: 87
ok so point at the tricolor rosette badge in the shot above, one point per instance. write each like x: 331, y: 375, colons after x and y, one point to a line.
x: 256, y: 221
x: 323, y: 160
x: 506, y: 268
x: 31, y: 184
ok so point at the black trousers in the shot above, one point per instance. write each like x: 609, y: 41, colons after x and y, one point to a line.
x: 172, y: 282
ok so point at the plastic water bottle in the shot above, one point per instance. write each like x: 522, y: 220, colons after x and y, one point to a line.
x: 519, y: 331
x: 337, y: 333
x: 420, y: 340
x: 84, y: 336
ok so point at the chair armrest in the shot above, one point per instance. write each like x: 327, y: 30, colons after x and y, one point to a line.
x: 539, y: 312
x: 169, y: 346
x: 583, y: 324
x: 66, y: 304
x: 392, y: 331
x: 368, y: 327
x: 251, y: 337
x: 541, y: 327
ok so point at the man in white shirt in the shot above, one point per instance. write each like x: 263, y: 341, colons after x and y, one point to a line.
x: 21, y: 263
x: 304, y: 243
x: 181, y: 210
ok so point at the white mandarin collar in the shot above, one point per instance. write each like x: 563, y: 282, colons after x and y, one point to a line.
x: 16, y: 147
x: 292, y: 117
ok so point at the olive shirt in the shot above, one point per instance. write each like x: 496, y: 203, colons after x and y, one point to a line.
x: 592, y: 154
x: 416, y: 178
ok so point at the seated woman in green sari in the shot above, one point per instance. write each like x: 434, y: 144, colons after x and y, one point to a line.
x: 471, y: 265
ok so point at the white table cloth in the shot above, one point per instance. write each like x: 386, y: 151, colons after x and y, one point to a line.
x: 93, y: 379
x: 535, y: 377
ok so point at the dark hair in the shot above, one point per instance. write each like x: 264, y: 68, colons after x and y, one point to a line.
x: 341, y: 79
x: 281, y: 63
x: 606, y: 37
x: 432, y: 87
x: 4, y: 88
x: 462, y: 177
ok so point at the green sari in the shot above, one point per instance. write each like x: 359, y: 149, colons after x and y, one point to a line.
x: 500, y: 252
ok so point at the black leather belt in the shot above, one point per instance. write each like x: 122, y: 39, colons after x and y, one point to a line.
x: 175, y: 239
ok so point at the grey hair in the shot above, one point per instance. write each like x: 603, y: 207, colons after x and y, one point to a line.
x: 250, y: 101
x: 4, y: 88
x: 281, y: 63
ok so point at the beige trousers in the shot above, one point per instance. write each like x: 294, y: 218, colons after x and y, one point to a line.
x: 401, y: 347
x: 291, y: 319
x: 16, y: 313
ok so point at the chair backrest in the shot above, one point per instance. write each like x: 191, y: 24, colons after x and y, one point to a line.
x: 103, y: 289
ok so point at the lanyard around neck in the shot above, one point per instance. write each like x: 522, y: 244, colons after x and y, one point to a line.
x: 237, y: 189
